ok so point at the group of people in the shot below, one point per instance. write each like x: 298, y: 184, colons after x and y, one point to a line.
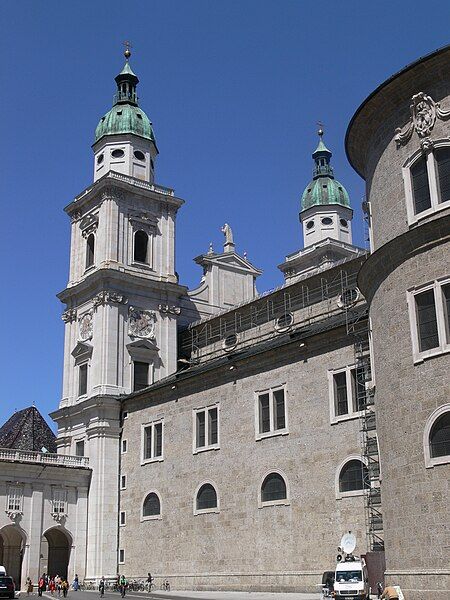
x: 52, y: 584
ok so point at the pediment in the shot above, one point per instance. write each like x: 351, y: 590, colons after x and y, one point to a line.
x: 142, y: 345
x: 230, y: 260
x: 82, y: 350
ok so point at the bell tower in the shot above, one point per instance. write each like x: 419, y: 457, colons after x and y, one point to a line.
x: 121, y: 304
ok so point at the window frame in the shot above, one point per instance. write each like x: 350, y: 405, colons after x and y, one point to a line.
x: 151, y: 372
x: 272, y: 411
x: 282, y: 502
x: 204, y: 511
x: 147, y: 260
x: 14, y: 499
x: 153, y: 458
x: 430, y: 461
x: 205, y: 409
x: 433, y: 182
x: 76, y: 443
x: 123, y: 446
x: 351, y: 397
x: 151, y: 517
x: 121, y: 557
x: 439, y: 303
x: 88, y: 267
x: 340, y: 495
x: 123, y: 482
x: 122, y: 522
x: 59, y: 504
x: 80, y: 365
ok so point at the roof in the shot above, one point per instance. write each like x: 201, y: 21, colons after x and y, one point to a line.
x: 27, y: 430
x: 125, y: 118
x: 322, y: 191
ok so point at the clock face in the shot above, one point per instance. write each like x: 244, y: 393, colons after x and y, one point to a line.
x: 86, y: 326
x: 142, y: 323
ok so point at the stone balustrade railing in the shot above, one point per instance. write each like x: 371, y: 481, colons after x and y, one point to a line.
x: 8, y: 454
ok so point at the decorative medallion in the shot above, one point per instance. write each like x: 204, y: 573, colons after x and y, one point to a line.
x: 141, y: 323
x: 424, y: 111
x: 86, y: 326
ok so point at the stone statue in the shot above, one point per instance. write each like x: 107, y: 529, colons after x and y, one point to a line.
x: 226, y: 230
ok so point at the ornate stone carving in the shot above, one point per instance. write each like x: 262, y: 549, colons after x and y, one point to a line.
x: 166, y: 309
x: 69, y: 315
x: 104, y: 297
x: 59, y: 517
x: 14, y: 515
x: 86, y: 326
x: 112, y: 193
x: 89, y: 224
x: 141, y: 323
x: 426, y: 144
x: 75, y: 216
x: 424, y: 111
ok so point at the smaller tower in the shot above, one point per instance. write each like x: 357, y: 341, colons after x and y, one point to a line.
x: 124, y: 138
x: 325, y: 206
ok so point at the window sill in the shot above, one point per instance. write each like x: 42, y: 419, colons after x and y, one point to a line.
x: 152, y: 460
x: 207, y: 511
x: 348, y: 417
x: 420, y: 357
x: 205, y: 449
x: 141, y: 265
x: 274, y: 503
x: 151, y: 518
x: 269, y: 434
x: 89, y: 269
x: 435, y: 462
x: 82, y: 397
x: 122, y: 524
x: 416, y: 219
x: 352, y: 494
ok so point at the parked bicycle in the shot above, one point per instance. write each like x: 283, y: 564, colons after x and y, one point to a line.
x: 165, y: 585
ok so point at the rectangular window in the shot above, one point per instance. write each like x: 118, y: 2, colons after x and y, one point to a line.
x: 15, y: 498
x: 122, y: 518
x: 59, y: 502
x: 152, y: 443
x: 420, y: 185
x: 429, y: 313
x: 442, y: 156
x: 344, y: 394
x: 79, y: 448
x: 121, y: 556
x: 140, y: 375
x: 206, y: 423
x: 124, y: 446
x: 123, y: 482
x: 82, y: 380
x: 271, y: 412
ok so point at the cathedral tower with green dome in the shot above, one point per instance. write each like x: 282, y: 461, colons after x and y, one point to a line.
x: 124, y: 138
x: 325, y: 215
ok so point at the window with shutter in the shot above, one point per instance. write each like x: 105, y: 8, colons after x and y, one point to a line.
x: 420, y: 185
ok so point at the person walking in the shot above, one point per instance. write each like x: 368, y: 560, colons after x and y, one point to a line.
x: 29, y: 586
x: 101, y: 587
x: 76, y: 584
x: 52, y: 586
x: 123, y: 584
x: 41, y: 585
x: 64, y: 587
x: 389, y: 593
x: 149, y: 582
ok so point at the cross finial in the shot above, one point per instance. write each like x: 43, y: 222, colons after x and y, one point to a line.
x: 127, y: 52
x: 320, y: 131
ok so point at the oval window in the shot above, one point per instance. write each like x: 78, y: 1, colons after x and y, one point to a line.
x: 344, y: 223
x: 230, y: 341
x: 139, y: 155
x: 100, y: 159
x: 284, y: 322
x: 117, y: 153
x: 309, y: 224
x: 327, y: 221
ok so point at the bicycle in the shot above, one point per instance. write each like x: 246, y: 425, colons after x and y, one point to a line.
x: 165, y: 586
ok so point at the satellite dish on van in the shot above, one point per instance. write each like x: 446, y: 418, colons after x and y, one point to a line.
x: 348, y: 542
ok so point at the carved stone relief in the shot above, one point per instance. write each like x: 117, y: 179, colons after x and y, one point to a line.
x: 424, y: 112
x: 166, y: 309
x: 89, y: 224
x: 141, y: 323
x: 69, y: 315
x: 104, y: 297
x: 86, y: 326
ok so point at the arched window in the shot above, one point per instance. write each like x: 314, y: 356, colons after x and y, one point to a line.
x: 152, y: 506
x: 206, y: 497
x: 273, y: 488
x: 140, y: 247
x: 440, y: 436
x: 90, y: 250
x: 353, y: 476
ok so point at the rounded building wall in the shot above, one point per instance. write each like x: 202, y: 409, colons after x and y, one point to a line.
x: 411, y: 251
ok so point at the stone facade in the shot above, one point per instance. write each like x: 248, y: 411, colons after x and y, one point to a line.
x: 411, y: 250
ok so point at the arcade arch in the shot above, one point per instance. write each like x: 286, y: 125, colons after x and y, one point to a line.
x: 12, y: 546
x: 56, y: 544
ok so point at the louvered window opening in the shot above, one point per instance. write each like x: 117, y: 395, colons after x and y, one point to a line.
x: 152, y: 506
x: 440, y: 437
x: 206, y: 497
x: 141, y: 247
x: 442, y: 156
x: 353, y: 477
x: 273, y: 488
x: 427, y: 321
x: 420, y: 185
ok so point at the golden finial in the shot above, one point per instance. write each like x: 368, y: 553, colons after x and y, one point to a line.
x: 127, y: 52
x: 320, y: 131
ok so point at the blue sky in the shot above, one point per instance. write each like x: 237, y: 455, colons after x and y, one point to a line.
x: 234, y: 90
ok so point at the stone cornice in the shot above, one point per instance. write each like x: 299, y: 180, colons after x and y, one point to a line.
x: 386, y: 259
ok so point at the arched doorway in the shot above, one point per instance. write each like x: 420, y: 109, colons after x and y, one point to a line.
x: 55, y: 552
x: 12, y: 542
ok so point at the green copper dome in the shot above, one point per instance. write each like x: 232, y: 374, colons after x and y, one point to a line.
x: 125, y: 116
x: 324, y: 188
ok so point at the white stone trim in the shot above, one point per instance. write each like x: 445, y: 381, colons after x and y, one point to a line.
x: 123, y: 486
x: 285, y: 501
x: 153, y: 458
x: 431, y: 462
x: 444, y: 343
x: 436, y: 205
x: 338, y: 494
x: 272, y: 431
x: 123, y: 446
x: 206, y: 447
x: 151, y: 517
x: 204, y: 511
x: 351, y: 395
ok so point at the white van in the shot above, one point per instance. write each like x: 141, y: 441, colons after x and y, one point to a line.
x: 2, y: 571
x: 351, y: 580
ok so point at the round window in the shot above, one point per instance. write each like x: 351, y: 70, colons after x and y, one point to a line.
x: 230, y: 341
x: 139, y: 155
x: 327, y: 221
x: 344, y: 223
x: 348, y: 297
x: 284, y: 322
x: 100, y: 158
x: 117, y: 153
x: 309, y: 224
